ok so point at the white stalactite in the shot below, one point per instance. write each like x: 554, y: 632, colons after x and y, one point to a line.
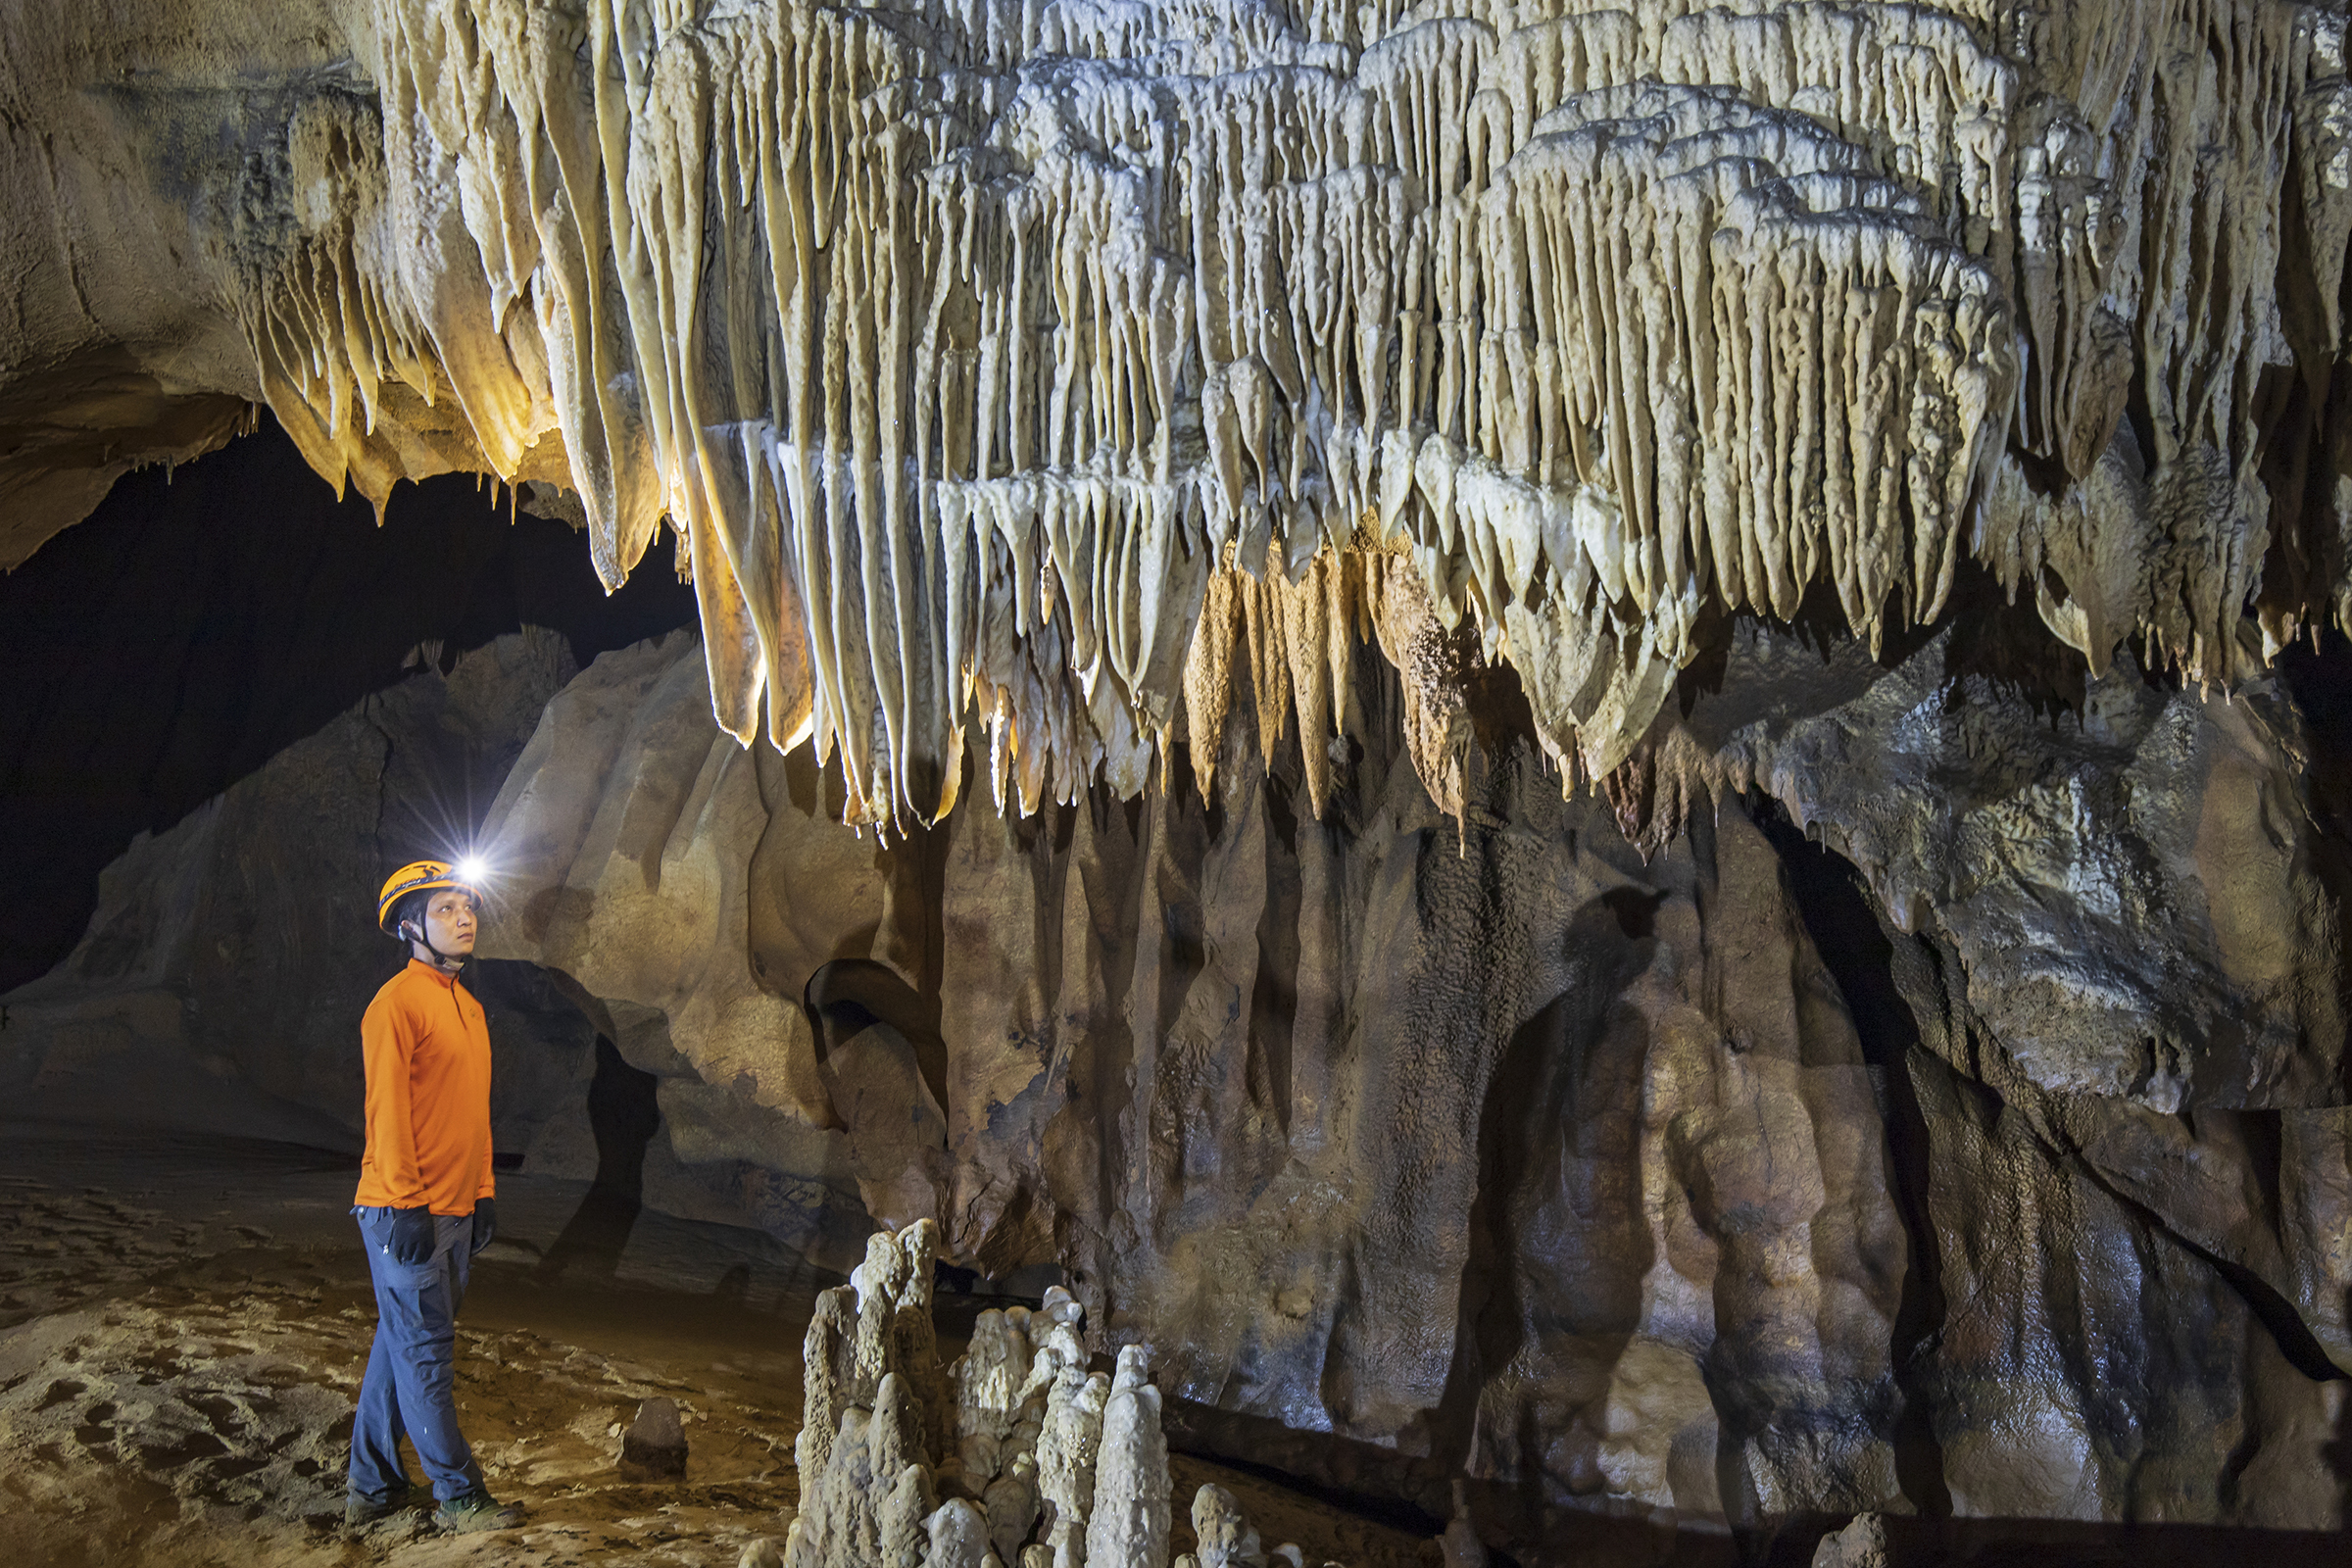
x: 1012, y: 364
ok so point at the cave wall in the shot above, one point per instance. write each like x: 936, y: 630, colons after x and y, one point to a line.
x: 1991, y: 1164
x: 1933, y: 1103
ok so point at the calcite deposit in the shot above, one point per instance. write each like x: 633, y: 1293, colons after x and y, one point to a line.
x: 1016, y: 1453
x: 973, y: 349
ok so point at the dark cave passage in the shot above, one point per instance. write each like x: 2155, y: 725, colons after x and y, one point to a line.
x: 200, y: 620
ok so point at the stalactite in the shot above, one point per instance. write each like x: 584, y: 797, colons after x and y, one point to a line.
x: 1016, y: 365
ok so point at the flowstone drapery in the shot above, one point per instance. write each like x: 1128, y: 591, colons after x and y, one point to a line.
x: 973, y: 349
x: 1016, y: 1454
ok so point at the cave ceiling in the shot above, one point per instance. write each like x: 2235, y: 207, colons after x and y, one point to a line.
x: 978, y: 353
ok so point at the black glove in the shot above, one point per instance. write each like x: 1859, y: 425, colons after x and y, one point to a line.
x: 413, y: 1235
x: 485, y: 1223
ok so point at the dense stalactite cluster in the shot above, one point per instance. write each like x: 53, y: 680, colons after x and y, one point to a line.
x: 970, y: 347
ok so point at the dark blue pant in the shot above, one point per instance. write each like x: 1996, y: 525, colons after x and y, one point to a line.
x: 410, y: 1384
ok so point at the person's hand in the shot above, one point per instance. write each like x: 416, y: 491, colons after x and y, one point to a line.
x: 485, y: 1223
x: 413, y: 1235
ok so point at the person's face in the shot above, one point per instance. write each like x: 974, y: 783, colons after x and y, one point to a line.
x: 449, y: 920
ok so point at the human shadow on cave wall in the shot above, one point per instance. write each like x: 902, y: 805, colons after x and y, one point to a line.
x: 1569, y: 1076
x: 624, y: 1115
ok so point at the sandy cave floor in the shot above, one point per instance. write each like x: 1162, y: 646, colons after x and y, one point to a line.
x: 183, y: 1323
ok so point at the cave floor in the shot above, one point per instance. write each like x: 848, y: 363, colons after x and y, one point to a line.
x: 183, y: 1323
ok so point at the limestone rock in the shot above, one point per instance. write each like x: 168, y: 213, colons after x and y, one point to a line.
x: 958, y: 1535
x: 837, y: 1523
x: 610, y: 826
x: 871, y: 1459
x: 990, y: 1385
x: 1225, y: 1538
x: 1068, y: 1450
x: 828, y: 1376
x: 653, y: 1449
x: 2128, y: 913
x: 1459, y: 1545
x: 870, y: 1442
x: 1705, y: 1087
x: 1014, y: 1505
x: 1339, y: 1326
x: 900, y: 1523
x: 896, y: 1433
x: 1862, y: 1543
x: 871, y: 1482
x: 1127, y: 1526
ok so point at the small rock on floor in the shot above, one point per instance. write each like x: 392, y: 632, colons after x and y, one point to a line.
x: 653, y: 1449
x: 1860, y: 1545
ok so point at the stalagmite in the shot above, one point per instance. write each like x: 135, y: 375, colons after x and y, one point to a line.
x: 902, y: 1522
x: 1225, y: 1538
x: 1013, y: 1501
x: 1038, y: 1459
x: 1067, y: 1453
x: 990, y: 1379
x: 1129, y: 1521
x: 958, y: 1535
x: 827, y: 1379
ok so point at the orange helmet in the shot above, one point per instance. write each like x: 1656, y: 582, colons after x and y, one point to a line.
x: 419, y: 877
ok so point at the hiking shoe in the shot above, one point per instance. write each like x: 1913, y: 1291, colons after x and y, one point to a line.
x: 360, y: 1511
x: 476, y: 1510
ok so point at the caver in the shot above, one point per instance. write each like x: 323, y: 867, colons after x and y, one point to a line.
x: 425, y: 1203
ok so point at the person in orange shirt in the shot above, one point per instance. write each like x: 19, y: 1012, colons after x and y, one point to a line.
x: 426, y: 1203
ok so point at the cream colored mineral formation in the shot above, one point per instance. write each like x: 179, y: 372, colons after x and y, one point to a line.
x: 1036, y: 1459
x: 1129, y: 1521
x: 1013, y: 364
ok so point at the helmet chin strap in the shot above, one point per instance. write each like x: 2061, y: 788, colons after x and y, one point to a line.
x: 450, y: 962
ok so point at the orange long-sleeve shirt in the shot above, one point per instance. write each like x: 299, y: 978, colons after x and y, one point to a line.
x: 428, y: 1050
